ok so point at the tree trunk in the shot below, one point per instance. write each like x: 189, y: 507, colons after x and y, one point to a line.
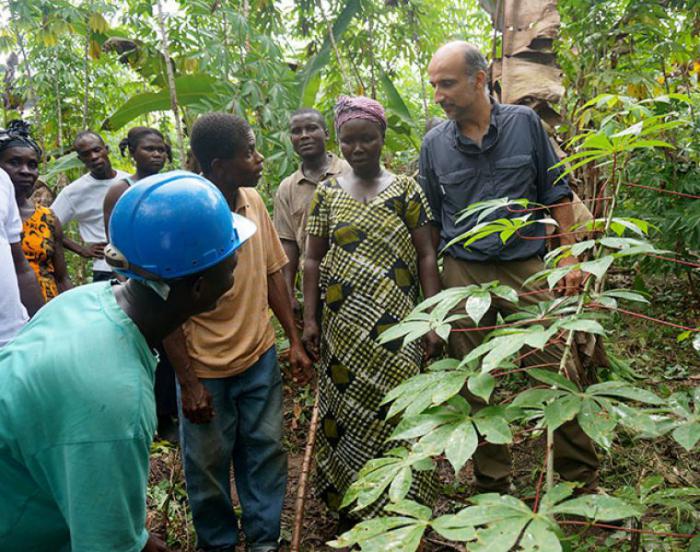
x: 86, y: 68
x: 171, y: 84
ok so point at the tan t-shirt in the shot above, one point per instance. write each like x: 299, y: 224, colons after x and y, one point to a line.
x: 292, y: 203
x: 232, y: 337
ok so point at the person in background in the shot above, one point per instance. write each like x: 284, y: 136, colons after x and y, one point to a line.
x: 486, y: 151
x: 77, y: 407
x: 309, y: 134
x: 42, y: 240
x: 226, y: 363
x: 370, y: 243
x: 82, y: 200
x: 20, y: 293
x: 149, y: 152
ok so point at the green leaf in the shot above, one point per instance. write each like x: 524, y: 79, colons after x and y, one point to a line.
x: 481, y: 385
x: 540, y: 536
x: 478, y: 305
x: 598, y: 507
x: 584, y: 325
x: 687, y: 435
x: 451, y: 527
x: 597, y: 423
x: 401, y: 484
x: 628, y: 295
x: 382, y: 534
x: 553, y: 378
x: 308, y: 76
x: 493, y: 425
x: 507, y: 293
x: 461, y: 445
x: 191, y: 89
x: 561, y: 411
x: 624, y: 390
x: 410, y: 508
x: 502, y: 348
x: 598, y: 267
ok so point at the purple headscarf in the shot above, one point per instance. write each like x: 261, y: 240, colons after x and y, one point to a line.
x: 358, y: 107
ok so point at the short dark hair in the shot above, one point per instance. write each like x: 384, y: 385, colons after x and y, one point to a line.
x: 83, y: 133
x: 310, y: 111
x: 218, y: 136
x: 474, y: 60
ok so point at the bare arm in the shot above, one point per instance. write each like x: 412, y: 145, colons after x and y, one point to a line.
x: 564, y: 215
x: 291, y: 249
x: 59, y: 261
x: 196, y: 401
x: 111, y: 197
x: 75, y: 247
x: 278, y: 299
x: 29, y: 290
x: 316, y: 249
x: 423, y: 239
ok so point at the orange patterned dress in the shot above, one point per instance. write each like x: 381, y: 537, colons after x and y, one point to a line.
x: 39, y: 246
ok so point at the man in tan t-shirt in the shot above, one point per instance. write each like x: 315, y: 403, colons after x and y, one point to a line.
x: 225, y: 359
x: 309, y: 134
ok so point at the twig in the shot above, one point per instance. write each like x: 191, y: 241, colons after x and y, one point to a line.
x: 538, y: 489
x: 303, y: 476
x: 626, y: 529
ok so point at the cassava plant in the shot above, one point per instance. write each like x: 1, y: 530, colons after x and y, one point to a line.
x: 435, y: 420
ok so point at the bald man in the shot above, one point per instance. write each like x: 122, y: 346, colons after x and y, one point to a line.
x: 486, y: 151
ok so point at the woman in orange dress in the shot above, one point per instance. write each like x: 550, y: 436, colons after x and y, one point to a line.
x: 42, y: 237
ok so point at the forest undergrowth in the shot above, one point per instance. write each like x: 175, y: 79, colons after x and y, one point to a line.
x: 646, y: 353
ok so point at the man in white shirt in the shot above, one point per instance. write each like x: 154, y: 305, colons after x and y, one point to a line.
x: 20, y: 295
x: 83, y: 198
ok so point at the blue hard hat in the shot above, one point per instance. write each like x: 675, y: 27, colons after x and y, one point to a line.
x: 173, y: 224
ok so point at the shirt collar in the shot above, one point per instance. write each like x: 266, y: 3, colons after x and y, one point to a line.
x: 467, y: 145
x: 335, y: 167
x: 242, y: 203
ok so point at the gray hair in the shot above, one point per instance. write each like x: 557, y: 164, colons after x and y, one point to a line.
x: 474, y: 61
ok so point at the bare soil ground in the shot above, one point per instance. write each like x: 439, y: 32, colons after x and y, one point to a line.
x: 650, y: 350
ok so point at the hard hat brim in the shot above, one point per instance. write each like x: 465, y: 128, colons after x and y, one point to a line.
x: 244, y: 227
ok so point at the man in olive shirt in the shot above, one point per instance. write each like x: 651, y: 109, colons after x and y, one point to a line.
x: 309, y: 135
x: 487, y: 151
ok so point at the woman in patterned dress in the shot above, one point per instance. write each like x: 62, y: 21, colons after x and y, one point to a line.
x: 371, y: 229
x: 42, y: 237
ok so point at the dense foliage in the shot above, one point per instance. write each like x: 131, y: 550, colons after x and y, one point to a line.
x: 631, y: 118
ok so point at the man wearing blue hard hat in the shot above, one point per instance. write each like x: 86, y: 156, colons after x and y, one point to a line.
x: 76, y: 384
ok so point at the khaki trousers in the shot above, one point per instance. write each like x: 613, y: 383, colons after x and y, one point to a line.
x: 575, y: 457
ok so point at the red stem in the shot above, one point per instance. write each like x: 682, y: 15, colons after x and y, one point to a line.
x: 645, y: 317
x: 662, y: 191
x: 540, y: 481
x: 627, y: 529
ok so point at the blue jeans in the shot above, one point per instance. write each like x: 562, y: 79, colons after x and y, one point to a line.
x: 246, y: 429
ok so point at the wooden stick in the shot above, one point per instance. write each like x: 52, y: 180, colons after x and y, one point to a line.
x: 303, y: 477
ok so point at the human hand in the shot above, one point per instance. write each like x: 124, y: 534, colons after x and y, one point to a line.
x: 432, y: 346
x: 571, y: 283
x: 155, y: 544
x: 95, y: 250
x: 196, y: 403
x: 300, y: 364
x: 311, y: 339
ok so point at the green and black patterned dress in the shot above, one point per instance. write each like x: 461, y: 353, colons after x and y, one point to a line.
x: 370, y: 280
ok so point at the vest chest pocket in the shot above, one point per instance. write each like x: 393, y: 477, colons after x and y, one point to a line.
x: 459, y: 189
x: 515, y: 177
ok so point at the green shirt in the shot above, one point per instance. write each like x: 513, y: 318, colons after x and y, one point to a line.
x: 77, y: 416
